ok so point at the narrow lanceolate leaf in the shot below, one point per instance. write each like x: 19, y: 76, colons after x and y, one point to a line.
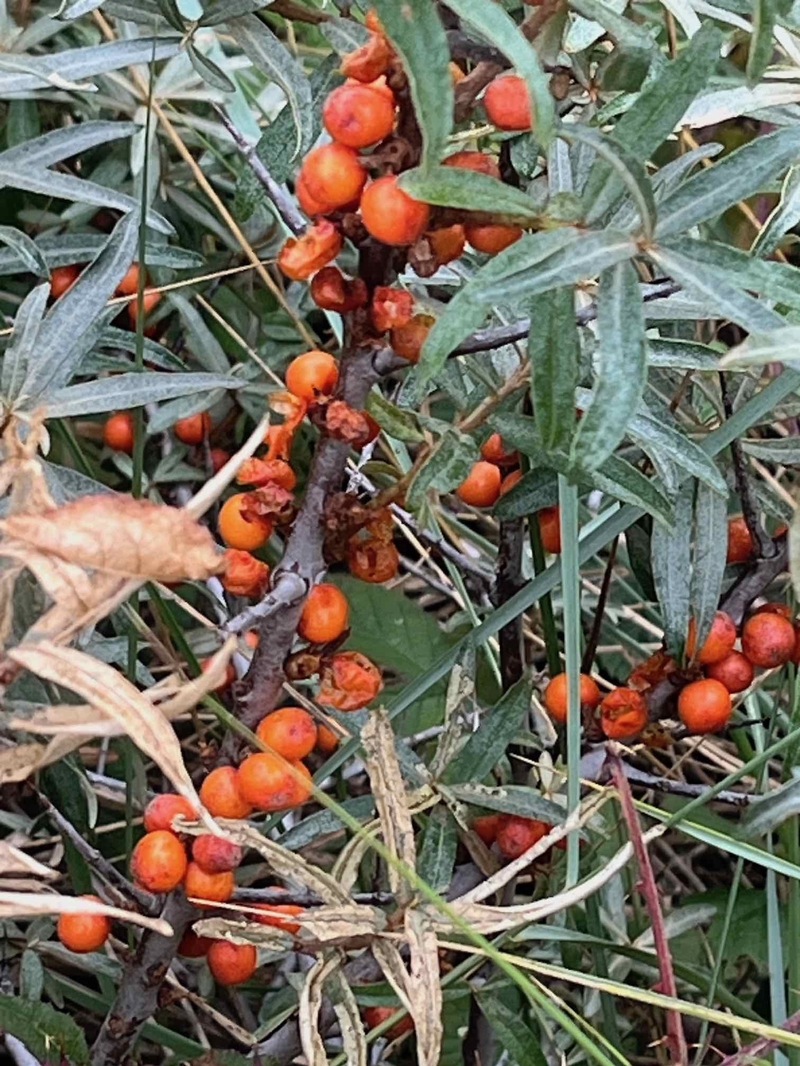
x: 784, y: 217
x: 499, y: 28
x: 26, y: 73
x: 684, y: 14
x: 761, y: 47
x: 681, y: 355
x: 625, y: 482
x: 59, y: 349
x: 424, y: 986
x: 64, y: 143
x: 485, y: 747
x: 26, y: 249
x: 623, y: 368
x: 469, y: 191
x: 23, y: 341
x: 351, y: 1027
x: 437, y: 853
x: 781, y: 345
x: 535, y: 490
x: 623, y: 30
x: 310, y: 1006
x: 513, y: 1035
x: 217, y: 11
x: 743, y: 173
x: 719, y: 288
x: 446, y: 467
x: 418, y: 35
x: 554, y: 350
x: 779, y: 282
x: 794, y: 551
x: 655, y: 435
x: 510, y: 799
x: 657, y: 110
x: 67, y: 248
x: 708, y: 563
x: 671, y: 565
x: 627, y: 168
x: 209, y: 71
x: 132, y: 390
x: 270, y: 56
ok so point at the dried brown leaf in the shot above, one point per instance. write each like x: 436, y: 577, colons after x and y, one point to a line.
x: 391, y: 962
x: 121, y: 535
x: 68, y: 719
x: 33, y: 904
x: 8, y: 581
x: 109, y: 692
x: 15, y: 861
x: 341, y: 923
x: 424, y: 989
x: 391, y: 802
x: 239, y: 932
x: 351, y: 1027
x: 310, y: 1004
x: 19, y: 762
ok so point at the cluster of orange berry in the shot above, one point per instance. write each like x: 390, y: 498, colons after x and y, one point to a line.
x: 192, y: 430
x: 513, y: 833
x: 63, y: 278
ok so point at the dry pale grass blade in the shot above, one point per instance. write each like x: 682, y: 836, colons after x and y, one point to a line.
x: 15, y: 861
x: 389, y: 791
x: 215, y: 486
x: 34, y: 904
x: 310, y: 1004
x: 109, y: 692
x: 425, y: 990
x: 485, y: 919
x: 460, y: 691
x: 239, y: 932
x: 285, y: 864
x: 211, y: 677
x: 123, y: 536
x: 354, y: 1041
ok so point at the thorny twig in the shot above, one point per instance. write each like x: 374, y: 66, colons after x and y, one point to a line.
x: 649, y: 890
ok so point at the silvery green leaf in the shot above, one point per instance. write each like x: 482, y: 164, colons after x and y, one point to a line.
x: 623, y: 30
x: 24, y: 73
x: 654, y: 435
x: 785, y: 216
x: 204, y: 345
x: 64, y: 143
x: 345, y: 35
x: 67, y: 248
x: 468, y: 191
x: 785, y: 451
x: 27, y: 250
x: 209, y: 71
x: 779, y: 282
x: 670, y: 557
x: 216, y: 11
x: 626, y: 167
x: 767, y: 813
x: 554, y: 350
x: 780, y: 345
x: 154, y: 353
x: 23, y: 341
x: 708, y: 562
x: 185, y: 406
x: 684, y: 15
x: 74, y: 10
x: 681, y: 355
x: 132, y: 390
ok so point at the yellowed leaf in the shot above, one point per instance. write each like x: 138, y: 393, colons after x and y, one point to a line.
x: 15, y: 861
x: 239, y: 932
x: 310, y: 1003
x: 332, y: 923
x: 354, y: 1041
x: 121, y: 535
x: 424, y: 989
x: 108, y: 691
x: 33, y: 904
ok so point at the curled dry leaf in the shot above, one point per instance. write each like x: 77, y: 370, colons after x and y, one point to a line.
x: 19, y: 762
x: 310, y: 1003
x: 22, y: 471
x: 109, y: 692
x: 341, y: 924
x: 121, y: 535
x: 424, y: 988
x: 238, y: 932
x: 354, y: 1041
x: 15, y: 861
x: 212, y: 489
x: 390, y: 798
x: 33, y: 904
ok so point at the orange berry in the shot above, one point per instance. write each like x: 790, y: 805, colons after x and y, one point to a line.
x: 375, y: 1016
x: 262, y: 472
x: 492, y: 237
x: 740, y: 542
x: 302, y: 787
x: 118, y: 432
x: 555, y: 695
x: 550, y: 529
x: 221, y: 797
x: 212, y: 888
x: 160, y: 812
x: 370, y: 61
x: 517, y: 834
x: 509, y: 481
x: 327, y: 740
x: 326, y: 615
x: 735, y: 672
x: 219, y: 458
x: 391, y: 308
x: 303, y: 256
x: 372, y: 560
x: 481, y: 487
x: 407, y: 340
x: 704, y: 706
x: 215, y: 855
x: 487, y: 827
x: 63, y: 278
x: 718, y: 643
x: 270, y: 917
x: 244, y: 574
x: 480, y: 162
x: 193, y: 946
x: 150, y: 297
x: 231, y: 964
x: 266, y: 781
x: 783, y: 609
x: 494, y: 451
x: 332, y: 291
x: 358, y: 115
x: 623, y: 713
x: 507, y: 103
x: 349, y: 681
x: 312, y: 374
x: 238, y: 531
x: 333, y: 174
x: 83, y: 932
x: 768, y: 640
x: 251, y: 638
x: 309, y: 204
x: 289, y: 731
x: 391, y: 215
x: 193, y: 429
x: 158, y: 862
x: 130, y: 283
x: 447, y: 243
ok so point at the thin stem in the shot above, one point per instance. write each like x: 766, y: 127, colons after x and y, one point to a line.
x: 568, y: 506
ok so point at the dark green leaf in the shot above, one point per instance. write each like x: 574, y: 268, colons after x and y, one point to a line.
x: 625, y: 482
x: 779, y: 282
x: 132, y: 390
x: 554, y: 350
x: 513, y: 1034
x: 23, y: 341
x: 656, y: 435
x: 437, y: 852
x: 216, y: 11
x: 623, y: 30
x: 535, y: 490
x: 681, y: 355
x: 623, y: 368
x: 510, y: 799
x: 208, y: 70
x: 30, y: 72
x: 708, y: 562
x: 44, y: 1031
x: 27, y: 250
x: 783, y: 218
x: 773, y: 345
x: 469, y: 191
x: 402, y: 425
x: 68, y: 248
x: 324, y: 822
x: 418, y: 35
x: 172, y: 13
x: 488, y: 743
x: 446, y: 467
x: 761, y: 48
x: 671, y: 563
x: 785, y: 451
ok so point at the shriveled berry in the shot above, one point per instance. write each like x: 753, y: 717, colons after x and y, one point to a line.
x: 303, y: 256
x: 517, y: 834
x: 623, y: 713
x: 215, y: 855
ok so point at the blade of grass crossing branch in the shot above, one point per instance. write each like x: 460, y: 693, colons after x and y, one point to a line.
x: 546, y: 602
x: 568, y: 505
